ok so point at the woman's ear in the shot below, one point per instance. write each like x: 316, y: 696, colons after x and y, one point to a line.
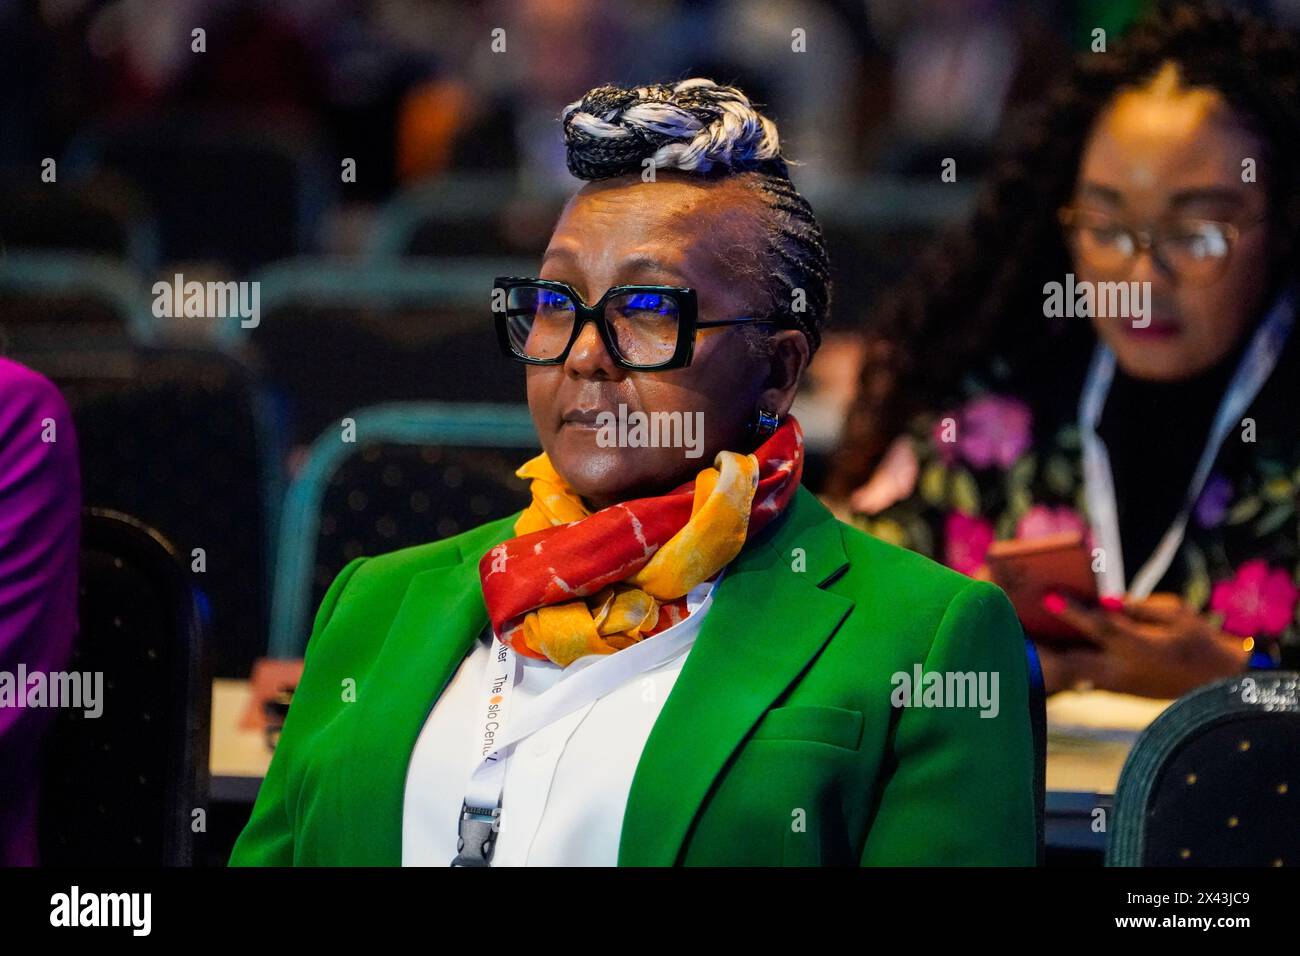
x: 788, y: 360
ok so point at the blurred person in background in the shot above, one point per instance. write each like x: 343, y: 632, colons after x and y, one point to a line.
x: 954, y: 67
x: 1171, y: 443
x: 812, y: 79
x: 40, y: 522
x: 494, y: 109
x: 688, y: 648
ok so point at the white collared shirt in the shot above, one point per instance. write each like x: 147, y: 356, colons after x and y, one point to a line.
x: 566, y: 785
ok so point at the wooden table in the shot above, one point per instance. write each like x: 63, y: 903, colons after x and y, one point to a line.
x: 1089, y: 737
x: 238, y: 758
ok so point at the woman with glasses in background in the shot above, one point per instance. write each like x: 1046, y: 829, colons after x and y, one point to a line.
x: 1162, y: 429
x: 675, y: 654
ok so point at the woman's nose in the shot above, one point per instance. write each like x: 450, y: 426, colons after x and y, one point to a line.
x: 1150, y: 267
x: 589, y: 358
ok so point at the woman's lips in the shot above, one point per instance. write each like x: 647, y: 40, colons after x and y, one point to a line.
x: 580, y: 418
x: 1160, y: 329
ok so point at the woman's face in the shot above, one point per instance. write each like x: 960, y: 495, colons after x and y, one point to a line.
x: 677, y: 232
x: 1161, y: 154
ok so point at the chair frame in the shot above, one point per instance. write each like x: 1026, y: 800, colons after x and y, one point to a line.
x: 868, y: 201
x: 389, y: 283
x: 72, y: 273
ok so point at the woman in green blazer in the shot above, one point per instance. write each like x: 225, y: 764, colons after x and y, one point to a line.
x: 659, y: 662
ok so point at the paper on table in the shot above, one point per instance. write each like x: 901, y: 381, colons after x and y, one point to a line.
x: 1101, y: 714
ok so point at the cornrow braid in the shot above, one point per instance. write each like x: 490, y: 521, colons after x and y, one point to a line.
x: 798, y: 259
x: 700, y: 127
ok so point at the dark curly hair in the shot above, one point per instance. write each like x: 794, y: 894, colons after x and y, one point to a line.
x: 976, y: 296
x: 712, y: 131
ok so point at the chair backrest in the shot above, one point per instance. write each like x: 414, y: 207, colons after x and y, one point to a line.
x: 469, y: 215
x: 182, y: 439
x: 414, y: 473
x: 62, y: 300
x: 400, y: 331
x: 121, y: 788
x: 874, y: 226
x: 197, y: 170
x: 101, y: 216
x: 1215, y: 779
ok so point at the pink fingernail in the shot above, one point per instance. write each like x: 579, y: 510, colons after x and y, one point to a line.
x: 1112, y: 603
x: 1053, y: 603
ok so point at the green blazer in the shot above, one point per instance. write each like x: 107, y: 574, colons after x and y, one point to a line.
x: 778, y: 745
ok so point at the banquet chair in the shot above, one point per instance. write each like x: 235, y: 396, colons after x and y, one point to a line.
x: 124, y: 788
x: 184, y: 440
x: 102, y: 216
x: 195, y: 170
x: 395, y: 331
x: 1215, y: 779
x: 69, y: 300
x: 414, y: 473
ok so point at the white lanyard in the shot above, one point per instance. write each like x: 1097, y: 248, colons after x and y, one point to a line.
x: 1099, y: 485
x: 584, y: 681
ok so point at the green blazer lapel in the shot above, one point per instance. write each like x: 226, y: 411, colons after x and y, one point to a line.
x: 435, y: 626
x: 769, y: 619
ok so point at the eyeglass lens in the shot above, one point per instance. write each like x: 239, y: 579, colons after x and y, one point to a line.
x: 1193, y: 249
x: 642, y: 324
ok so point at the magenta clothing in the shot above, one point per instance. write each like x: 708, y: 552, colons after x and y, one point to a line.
x: 40, y: 530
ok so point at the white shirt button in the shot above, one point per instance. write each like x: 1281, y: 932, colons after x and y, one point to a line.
x: 539, y: 747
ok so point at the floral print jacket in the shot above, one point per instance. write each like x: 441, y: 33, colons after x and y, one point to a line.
x: 987, y: 471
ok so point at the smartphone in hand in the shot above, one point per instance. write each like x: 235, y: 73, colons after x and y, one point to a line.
x: 1029, y: 570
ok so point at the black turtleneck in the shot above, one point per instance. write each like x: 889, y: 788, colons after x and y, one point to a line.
x: 1154, y: 434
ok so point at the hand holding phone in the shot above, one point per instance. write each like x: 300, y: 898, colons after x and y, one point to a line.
x: 1029, y: 570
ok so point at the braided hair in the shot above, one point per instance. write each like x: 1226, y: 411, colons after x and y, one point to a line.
x: 976, y: 296
x: 699, y: 127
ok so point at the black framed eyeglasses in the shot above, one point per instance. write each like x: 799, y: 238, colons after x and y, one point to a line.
x: 1190, y: 249
x: 643, y: 327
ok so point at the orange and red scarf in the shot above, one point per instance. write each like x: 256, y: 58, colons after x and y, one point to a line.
x: 576, y: 582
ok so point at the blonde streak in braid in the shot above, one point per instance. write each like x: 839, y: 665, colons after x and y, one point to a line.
x: 595, y: 126
x: 751, y: 134
x: 700, y: 151
x: 719, y: 139
x: 771, y: 142
x: 694, y: 83
x: 589, y: 123
x: 668, y: 156
x: 681, y: 156
x: 666, y: 119
x: 726, y: 134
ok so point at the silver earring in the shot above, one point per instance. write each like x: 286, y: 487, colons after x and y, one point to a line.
x: 766, y: 423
